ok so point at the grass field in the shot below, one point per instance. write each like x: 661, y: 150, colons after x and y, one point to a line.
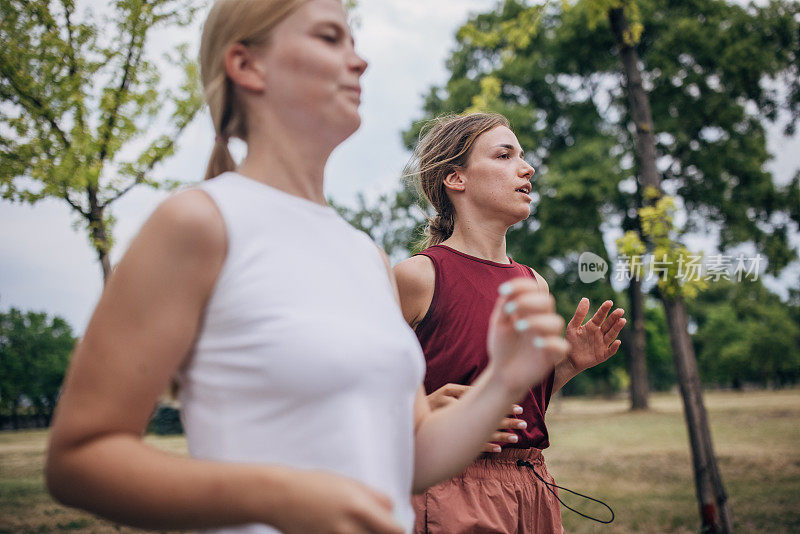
x: 637, y: 462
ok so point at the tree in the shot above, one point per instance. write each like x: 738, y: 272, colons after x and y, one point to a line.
x: 34, y: 352
x: 76, y: 98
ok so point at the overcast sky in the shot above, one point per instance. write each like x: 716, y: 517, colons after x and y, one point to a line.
x: 46, y: 265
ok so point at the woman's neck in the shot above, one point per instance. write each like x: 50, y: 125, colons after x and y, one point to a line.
x: 484, y: 241
x: 287, y: 160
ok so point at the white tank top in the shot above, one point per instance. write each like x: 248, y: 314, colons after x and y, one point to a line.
x: 304, y: 358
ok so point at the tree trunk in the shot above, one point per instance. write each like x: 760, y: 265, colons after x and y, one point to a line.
x: 714, y: 510
x: 638, y: 102
x: 636, y: 343
x: 99, y: 236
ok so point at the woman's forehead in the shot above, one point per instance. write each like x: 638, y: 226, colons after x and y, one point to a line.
x: 319, y: 11
x: 499, y: 135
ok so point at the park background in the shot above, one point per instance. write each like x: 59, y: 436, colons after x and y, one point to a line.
x: 723, y: 80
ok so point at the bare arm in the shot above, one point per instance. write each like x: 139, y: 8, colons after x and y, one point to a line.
x: 142, y: 330
x: 416, y: 282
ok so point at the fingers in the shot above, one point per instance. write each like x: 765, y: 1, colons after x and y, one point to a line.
x: 499, y: 438
x: 540, y: 324
x: 609, y: 322
x: 381, y: 499
x: 580, y: 313
x: 380, y: 522
x: 453, y: 390
x: 600, y: 314
x: 513, y: 288
x: 612, y: 334
x: 491, y: 447
x: 554, y: 348
x: 509, y: 422
x: 526, y: 303
x: 378, y: 517
x: 610, y: 351
x: 504, y: 437
x: 519, y: 298
x: 516, y: 409
x: 446, y: 395
x: 529, y: 309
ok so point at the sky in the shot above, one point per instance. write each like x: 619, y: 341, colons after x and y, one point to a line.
x: 48, y: 265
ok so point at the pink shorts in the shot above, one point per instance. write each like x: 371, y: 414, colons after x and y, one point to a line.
x: 492, y: 495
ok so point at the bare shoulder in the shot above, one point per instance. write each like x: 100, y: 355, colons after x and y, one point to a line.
x: 189, y: 219
x: 416, y: 281
x: 180, y: 248
x: 415, y: 273
x: 148, y: 316
x: 540, y: 280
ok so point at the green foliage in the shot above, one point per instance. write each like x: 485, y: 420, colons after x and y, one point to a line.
x: 597, y: 10
x: 746, y: 335
x: 679, y: 274
x: 34, y: 352
x: 660, y: 367
x: 77, y: 96
x: 165, y: 421
x: 394, y: 220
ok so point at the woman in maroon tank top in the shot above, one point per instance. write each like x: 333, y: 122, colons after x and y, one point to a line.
x: 472, y: 171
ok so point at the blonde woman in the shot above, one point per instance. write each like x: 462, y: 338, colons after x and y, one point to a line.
x: 472, y: 170
x: 300, y: 382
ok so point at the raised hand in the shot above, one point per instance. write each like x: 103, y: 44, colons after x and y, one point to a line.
x: 525, y: 337
x: 596, y: 341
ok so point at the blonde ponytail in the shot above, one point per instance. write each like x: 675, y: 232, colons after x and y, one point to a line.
x: 249, y: 22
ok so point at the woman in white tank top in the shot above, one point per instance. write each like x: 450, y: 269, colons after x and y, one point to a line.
x: 300, y: 381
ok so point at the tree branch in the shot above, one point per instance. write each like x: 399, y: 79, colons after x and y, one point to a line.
x: 73, y: 67
x: 130, y: 63
x: 140, y: 176
x: 74, y: 205
x: 35, y: 102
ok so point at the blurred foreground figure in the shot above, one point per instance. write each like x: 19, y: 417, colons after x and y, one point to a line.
x: 300, y: 382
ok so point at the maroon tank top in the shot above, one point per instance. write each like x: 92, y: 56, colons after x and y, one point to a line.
x: 453, y: 332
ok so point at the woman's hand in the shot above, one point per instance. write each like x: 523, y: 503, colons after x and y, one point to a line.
x: 450, y: 393
x: 596, y: 341
x: 525, y: 338
x: 503, y: 436
x: 325, y: 503
x: 446, y: 395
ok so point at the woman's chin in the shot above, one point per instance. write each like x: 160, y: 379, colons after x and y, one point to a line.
x: 518, y: 216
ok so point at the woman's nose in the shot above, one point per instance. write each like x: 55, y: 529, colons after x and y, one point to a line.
x: 528, y: 171
x: 358, y: 64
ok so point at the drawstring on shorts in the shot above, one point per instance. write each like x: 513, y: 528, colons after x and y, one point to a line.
x: 525, y: 463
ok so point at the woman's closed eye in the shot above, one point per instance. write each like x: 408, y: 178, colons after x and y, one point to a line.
x: 332, y: 38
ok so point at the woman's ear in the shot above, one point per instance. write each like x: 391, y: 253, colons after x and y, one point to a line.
x: 243, y: 68
x: 455, y: 181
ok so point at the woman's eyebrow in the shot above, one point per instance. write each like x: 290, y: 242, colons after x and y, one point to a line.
x: 513, y: 148
x: 336, y: 26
